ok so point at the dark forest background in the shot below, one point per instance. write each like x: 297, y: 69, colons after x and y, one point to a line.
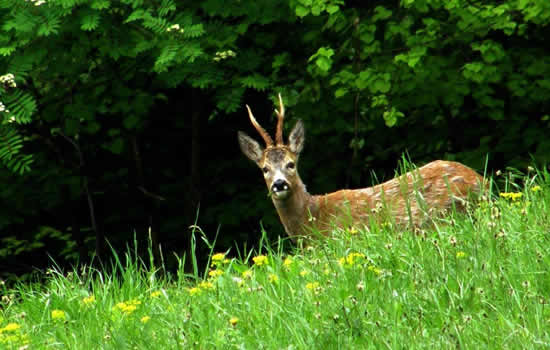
x: 121, y: 117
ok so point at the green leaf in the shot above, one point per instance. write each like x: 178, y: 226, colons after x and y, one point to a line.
x: 332, y: 9
x: 340, y: 92
x: 323, y: 63
x: 380, y: 85
x: 100, y: 4
x: 391, y: 116
x: 380, y: 13
x: 90, y: 21
x: 301, y: 11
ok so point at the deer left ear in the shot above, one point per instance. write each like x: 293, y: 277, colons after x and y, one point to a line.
x: 297, y: 137
x: 250, y: 148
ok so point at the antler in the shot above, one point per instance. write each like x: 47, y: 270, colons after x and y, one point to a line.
x: 268, y: 140
x: 280, y: 119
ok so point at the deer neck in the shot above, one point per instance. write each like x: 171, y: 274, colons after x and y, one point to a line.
x: 295, y: 210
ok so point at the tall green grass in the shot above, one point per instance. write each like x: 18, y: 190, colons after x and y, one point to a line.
x: 474, y: 280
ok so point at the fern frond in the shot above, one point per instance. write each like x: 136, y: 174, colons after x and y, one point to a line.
x: 100, y: 4
x: 21, y: 65
x: 90, y: 20
x: 193, y: 31
x: 21, y: 105
x: 50, y: 25
x: 229, y: 100
x: 167, y: 56
x: 155, y: 24
x: 255, y: 81
x: 11, y: 143
x: 22, y: 21
x: 166, y: 7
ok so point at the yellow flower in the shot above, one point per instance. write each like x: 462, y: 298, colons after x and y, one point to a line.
x: 218, y: 257
x: 89, y: 300
x: 58, y: 315
x: 194, y: 291
x: 233, y: 321
x: 145, y: 319
x: 247, y: 274
x: 206, y: 285
x: 353, y: 231
x: 215, y: 273
x: 260, y: 260
x: 514, y: 196
x: 288, y: 262
x: 351, y: 259
x: 312, y: 285
x: 375, y: 269
x: 536, y: 188
x: 304, y: 273
x: 10, y: 327
x: 156, y: 294
x: 128, y: 307
x: 273, y: 278
x: 460, y: 254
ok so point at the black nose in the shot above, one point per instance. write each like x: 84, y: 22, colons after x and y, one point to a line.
x: 279, y: 185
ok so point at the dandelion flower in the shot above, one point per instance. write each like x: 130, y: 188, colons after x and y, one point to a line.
x: 460, y: 254
x: 215, y: 273
x: 10, y: 327
x: 194, y: 291
x: 218, y: 257
x: 206, y: 285
x: 288, y: 262
x: 233, y: 321
x: 156, y: 294
x: 375, y: 270
x: 260, y: 260
x: 247, y: 274
x: 89, y: 300
x: 145, y: 319
x: 58, y: 315
x: 312, y: 285
x: 351, y: 259
x: 273, y: 278
x: 513, y: 196
x: 536, y: 188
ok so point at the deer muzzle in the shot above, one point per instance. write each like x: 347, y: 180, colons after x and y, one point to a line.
x: 280, y: 189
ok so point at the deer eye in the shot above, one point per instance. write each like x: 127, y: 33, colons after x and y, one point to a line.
x: 265, y: 170
x: 290, y: 165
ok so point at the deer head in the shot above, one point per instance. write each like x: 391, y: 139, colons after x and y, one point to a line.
x: 277, y: 161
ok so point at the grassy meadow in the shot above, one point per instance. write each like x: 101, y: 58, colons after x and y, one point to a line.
x: 475, y: 280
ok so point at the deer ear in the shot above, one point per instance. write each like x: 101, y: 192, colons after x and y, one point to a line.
x: 297, y: 137
x: 250, y: 148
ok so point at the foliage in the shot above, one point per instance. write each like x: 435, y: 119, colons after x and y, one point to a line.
x: 472, y: 280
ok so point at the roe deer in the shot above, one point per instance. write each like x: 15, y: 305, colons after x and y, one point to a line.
x: 407, y: 199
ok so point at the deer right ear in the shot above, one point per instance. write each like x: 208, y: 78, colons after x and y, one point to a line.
x: 250, y: 148
x: 297, y: 137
